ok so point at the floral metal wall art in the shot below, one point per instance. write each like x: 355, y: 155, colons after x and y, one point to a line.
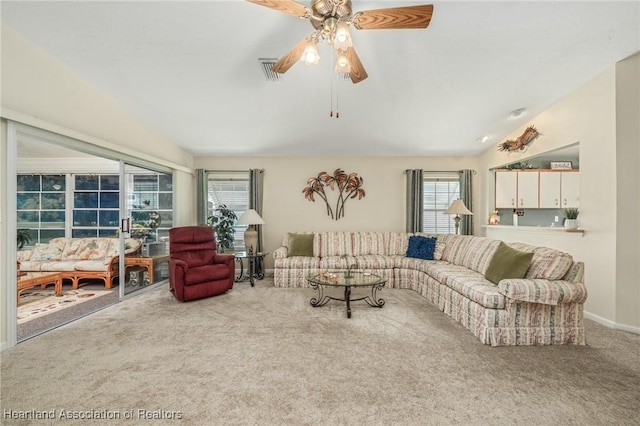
x: 522, y: 142
x: 349, y: 186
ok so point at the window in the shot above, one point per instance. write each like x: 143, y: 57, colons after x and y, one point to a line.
x: 231, y: 190
x: 41, y: 206
x: 150, y: 204
x: 438, y: 192
x: 95, y: 205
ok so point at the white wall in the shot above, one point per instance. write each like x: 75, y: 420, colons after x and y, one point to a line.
x: 39, y: 91
x: 286, y: 209
x: 628, y: 191
x: 588, y: 116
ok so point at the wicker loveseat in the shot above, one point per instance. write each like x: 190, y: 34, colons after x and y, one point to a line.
x: 78, y: 259
x: 543, y: 307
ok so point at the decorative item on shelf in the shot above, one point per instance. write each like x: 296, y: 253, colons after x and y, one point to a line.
x: 349, y: 186
x: 522, y: 142
x: 561, y: 165
x: 222, y: 222
x: 494, y: 218
x: 520, y: 165
x: 251, y: 217
x: 457, y: 207
x: 571, y: 218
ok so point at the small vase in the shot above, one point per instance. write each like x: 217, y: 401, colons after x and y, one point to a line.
x: 571, y: 224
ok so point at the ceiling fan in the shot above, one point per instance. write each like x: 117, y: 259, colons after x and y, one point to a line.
x: 331, y: 20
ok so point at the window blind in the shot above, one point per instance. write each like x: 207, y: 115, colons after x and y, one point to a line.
x: 438, y: 193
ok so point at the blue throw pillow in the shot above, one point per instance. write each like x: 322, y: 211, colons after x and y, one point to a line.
x: 421, y: 247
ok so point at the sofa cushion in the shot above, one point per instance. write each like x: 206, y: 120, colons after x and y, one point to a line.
x: 421, y: 247
x: 374, y: 261
x: 86, y: 248
x: 90, y: 265
x: 297, y: 262
x: 59, y: 266
x: 335, y: 244
x: 365, y: 243
x: 507, y: 262
x: 300, y: 245
x: 547, y: 263
x: 473, y: 252
x: 51, y: 251
x: 337, y: 262
x: 474, y: 286
x: 396, y: 243
x: 441, y: 243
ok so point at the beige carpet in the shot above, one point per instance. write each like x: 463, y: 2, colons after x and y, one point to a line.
x: 264, y: 356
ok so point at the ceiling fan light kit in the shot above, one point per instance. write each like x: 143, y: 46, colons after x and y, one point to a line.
x: 331, y: 20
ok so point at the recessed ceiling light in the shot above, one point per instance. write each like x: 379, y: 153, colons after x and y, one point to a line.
x: 516, y: 113
x: 483, y: 139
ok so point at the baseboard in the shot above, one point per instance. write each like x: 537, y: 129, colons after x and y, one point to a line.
x: 4, y: 345
x: 612, y: 324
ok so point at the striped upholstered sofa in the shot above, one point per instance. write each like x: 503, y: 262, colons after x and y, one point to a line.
x: 543, y: 308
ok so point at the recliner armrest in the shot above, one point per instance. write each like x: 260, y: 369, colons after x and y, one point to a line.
x: 225, y: 259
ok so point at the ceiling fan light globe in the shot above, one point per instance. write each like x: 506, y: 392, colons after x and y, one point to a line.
x: 310, y: 55
x: 342, y: 37
x: 343, y: 65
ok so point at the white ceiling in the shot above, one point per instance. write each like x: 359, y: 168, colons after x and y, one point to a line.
x: 190, y: 71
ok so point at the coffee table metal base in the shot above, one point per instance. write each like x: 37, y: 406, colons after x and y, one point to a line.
x: 323, y: 299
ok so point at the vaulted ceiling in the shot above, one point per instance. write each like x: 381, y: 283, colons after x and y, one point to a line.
x: 191, y: 71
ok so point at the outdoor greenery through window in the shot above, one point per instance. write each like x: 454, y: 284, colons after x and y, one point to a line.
x: 439, y: 191
x: 232, y: 190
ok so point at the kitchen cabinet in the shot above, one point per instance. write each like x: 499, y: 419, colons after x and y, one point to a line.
x: 559, y: 190
x: 506, y: 189
x: 527, y: 190
x: 550, y: 195
x: 570, y: 189
x: 516, y: 189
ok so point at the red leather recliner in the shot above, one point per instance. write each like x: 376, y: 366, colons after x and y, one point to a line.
x: 196, y: 269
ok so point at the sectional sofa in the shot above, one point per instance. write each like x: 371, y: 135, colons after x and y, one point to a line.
x: 542, y: 307
x: 78, y: 258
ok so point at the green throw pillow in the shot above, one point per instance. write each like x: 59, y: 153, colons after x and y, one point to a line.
x: 301, y: 245
x: 507, y: 263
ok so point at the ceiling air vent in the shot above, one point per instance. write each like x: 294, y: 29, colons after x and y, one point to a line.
x: 266, y: 64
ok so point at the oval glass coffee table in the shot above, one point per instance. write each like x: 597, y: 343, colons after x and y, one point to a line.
x: 348, y: 280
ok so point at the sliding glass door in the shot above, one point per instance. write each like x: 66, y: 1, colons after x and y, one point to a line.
x: 146, y: 204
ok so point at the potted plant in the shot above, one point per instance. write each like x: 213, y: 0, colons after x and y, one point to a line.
x: 571, y: 218
x: 24, y: 237
x: 222, y: 222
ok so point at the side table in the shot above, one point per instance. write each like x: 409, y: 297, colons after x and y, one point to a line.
x: 145, y: 262
x: 252, y: 260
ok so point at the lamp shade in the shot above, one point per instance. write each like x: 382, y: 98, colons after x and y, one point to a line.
x: 458, y: 207
x: 250, y: 217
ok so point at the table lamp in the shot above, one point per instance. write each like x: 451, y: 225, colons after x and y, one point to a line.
x: 250, y: 217
x: 457, y: 207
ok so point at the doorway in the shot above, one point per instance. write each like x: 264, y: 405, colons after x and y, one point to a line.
x: 66, y: 191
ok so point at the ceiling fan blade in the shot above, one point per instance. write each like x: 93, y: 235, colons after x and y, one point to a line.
x: 287, y: 6
x: 394, y: 18
x: 358, y: 72
x: 290, y: 59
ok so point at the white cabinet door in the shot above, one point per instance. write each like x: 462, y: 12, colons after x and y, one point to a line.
x: 570, y: 184
x: 506, y: 189
x: 527, y: 190
x: 550, y: 190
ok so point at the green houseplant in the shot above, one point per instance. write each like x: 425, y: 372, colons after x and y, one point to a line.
x: 571, y: 218
x: 23, y: 237
x: 222, y: 222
